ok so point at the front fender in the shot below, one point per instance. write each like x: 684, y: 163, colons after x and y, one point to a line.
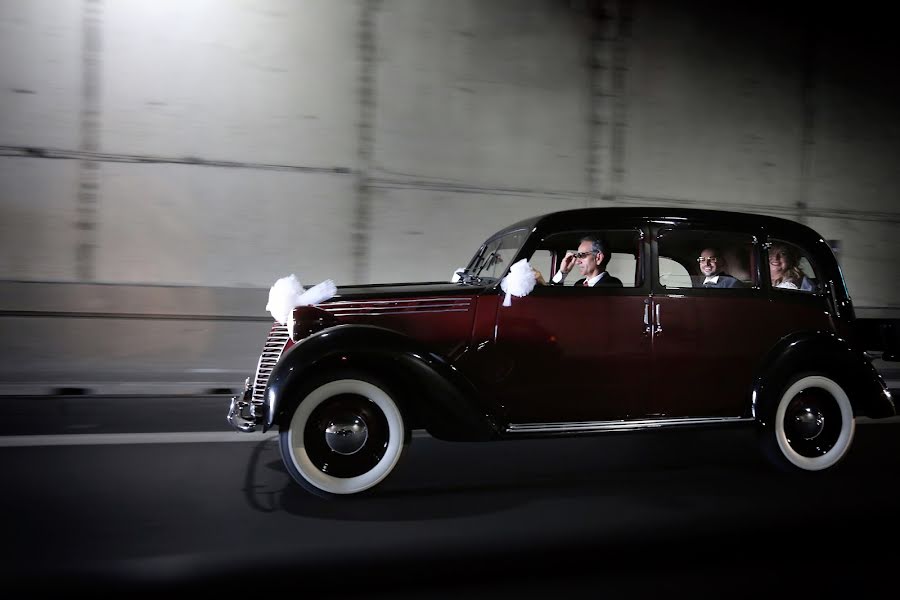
x: 822, y: 352
x: 433, y: 393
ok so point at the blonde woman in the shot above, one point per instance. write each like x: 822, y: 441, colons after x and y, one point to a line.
x: 784, y: 268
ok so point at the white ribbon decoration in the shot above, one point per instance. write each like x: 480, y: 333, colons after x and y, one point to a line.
x: 519, y: 282
x: 287, y: 294
x: 457, y: 274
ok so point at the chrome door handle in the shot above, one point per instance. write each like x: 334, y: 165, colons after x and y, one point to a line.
x: 647, y: 326
x: 658, y: 322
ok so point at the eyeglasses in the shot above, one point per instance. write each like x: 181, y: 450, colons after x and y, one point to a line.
x: 707, y: 259
x: 581, y: 254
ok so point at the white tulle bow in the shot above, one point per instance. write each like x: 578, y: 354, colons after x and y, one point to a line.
x: 519, y: 282
x: 287, y: 294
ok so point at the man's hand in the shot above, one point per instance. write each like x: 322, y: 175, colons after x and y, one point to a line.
x: 567, y: 263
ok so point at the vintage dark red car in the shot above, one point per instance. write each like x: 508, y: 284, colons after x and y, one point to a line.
x: 721, y: 319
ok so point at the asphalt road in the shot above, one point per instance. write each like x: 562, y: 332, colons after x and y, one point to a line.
x: 122, y: 494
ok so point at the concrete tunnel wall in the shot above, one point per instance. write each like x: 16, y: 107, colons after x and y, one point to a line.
x: 163, y: 160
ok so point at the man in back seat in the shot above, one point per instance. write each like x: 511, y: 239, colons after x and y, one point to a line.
x: 712, y: 267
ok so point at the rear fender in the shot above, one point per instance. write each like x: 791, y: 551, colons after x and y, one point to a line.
x: 826, y: 353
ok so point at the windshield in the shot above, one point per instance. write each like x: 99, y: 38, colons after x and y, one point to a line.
x: 494, y: 257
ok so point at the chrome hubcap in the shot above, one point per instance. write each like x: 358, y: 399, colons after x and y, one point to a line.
x: 809, y: 423
x: 346, y: 436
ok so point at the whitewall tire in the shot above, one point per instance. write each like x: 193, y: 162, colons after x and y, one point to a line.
x: 345, y: 436
x: 812, y: 426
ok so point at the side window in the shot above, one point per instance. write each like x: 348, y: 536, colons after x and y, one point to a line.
x: 673, y: 274
x: 623, y: 265
x: 705, y: 259
x: 790, y: 268
x: 542, y: 260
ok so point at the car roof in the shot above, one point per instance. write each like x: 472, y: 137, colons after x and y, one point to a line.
x: 576, y: 218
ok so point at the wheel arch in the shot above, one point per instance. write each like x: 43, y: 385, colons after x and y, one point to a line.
x: 432, y: 394
x: 821, y: 352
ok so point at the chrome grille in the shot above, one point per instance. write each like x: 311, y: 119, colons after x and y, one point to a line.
x: 278, y: 337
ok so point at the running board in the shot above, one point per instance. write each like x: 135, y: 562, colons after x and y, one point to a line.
x: 599, y: 426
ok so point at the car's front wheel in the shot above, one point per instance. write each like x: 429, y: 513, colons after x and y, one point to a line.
x: 344, y: 437
x: 811, y: 427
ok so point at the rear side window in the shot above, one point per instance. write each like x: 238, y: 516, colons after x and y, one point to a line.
x: 705, y: 259
x: 673, y: 274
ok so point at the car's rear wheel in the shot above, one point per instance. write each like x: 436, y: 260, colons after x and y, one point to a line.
x: 811, y: 427
x: 345, y: 436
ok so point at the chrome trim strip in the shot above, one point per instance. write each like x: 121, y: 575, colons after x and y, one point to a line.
x: 405, y: 307
x: 398, y: 312
x: 397, y: 300
x: 591, y: 426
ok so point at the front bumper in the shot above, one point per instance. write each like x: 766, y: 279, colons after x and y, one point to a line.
x: 244, y: 414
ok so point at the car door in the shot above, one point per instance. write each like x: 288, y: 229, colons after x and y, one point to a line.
x: 573, y: 354
x: 706, y: 341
